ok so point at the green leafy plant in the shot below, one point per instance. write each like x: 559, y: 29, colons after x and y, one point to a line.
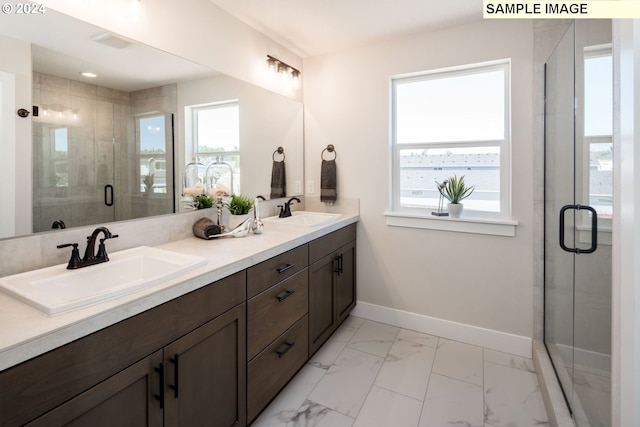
x: 455, y: 190
x: 239, y: 204
x: 203, y: 202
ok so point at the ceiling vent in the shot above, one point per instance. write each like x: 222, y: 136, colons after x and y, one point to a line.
x: 112, y: 40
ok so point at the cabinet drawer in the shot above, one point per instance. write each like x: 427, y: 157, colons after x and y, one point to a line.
x: 275, y: 366
x: 276, y: 269
x: 325, y: 245
x: 275, y: 310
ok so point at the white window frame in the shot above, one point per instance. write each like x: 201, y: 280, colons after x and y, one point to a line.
x: 605, y: 224
x: 494, y: 223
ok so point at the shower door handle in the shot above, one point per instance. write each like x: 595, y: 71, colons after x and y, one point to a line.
x: 108, y: 195
x: 594, y: 229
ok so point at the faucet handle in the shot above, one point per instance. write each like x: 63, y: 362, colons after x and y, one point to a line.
x: 102, y: 250
x: 75, y: 260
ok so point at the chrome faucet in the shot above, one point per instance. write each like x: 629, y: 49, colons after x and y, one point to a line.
x: 285, y: 211
x: 90, y: 256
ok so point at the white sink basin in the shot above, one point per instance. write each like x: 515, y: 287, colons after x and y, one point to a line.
x: 305, y: 219
x: 55, y: 290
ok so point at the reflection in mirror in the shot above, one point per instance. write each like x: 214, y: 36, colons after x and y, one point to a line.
x: 108, y: 141
x: 100, y: 154
x: 222, y: 115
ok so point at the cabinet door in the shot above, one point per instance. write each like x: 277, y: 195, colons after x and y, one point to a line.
x: 130, y: 398
x: 321, y: 302
x: 206, y: 374
x: 346, y: 281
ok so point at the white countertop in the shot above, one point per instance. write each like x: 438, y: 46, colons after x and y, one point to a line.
x: 26, y: 332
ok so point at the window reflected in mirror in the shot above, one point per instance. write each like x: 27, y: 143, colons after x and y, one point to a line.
x: 216, y: 144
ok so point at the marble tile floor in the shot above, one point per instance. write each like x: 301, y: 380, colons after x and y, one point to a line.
x: 370, y: 374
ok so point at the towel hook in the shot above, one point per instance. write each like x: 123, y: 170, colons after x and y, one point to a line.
x: 331, y: 149
x: 279, y: 150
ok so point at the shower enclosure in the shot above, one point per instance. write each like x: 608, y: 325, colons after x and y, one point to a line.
x: 100, y: 155
x: 578, y: 213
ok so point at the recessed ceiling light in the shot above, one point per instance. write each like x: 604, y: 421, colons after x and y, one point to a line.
x: 89, y: 74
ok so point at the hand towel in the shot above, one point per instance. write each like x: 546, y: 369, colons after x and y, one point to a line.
x: 278, y: 180
x: 205, y: 228
x: 328, y: 182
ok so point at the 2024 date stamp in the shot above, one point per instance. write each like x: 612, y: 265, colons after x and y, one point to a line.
x: 23, y: 9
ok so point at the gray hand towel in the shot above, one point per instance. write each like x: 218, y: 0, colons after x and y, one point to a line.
x: 278, y: 180
x: 328, y: 182
x: 205, y: 228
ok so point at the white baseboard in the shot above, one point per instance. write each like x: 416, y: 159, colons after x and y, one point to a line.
x: 488, y: 338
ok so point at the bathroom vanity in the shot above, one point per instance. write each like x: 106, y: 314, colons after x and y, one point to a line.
x: 215, y: 355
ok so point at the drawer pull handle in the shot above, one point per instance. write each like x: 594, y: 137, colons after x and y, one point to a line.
x: 285, y: 268
x: 289, y: 347
x: 175, y: 370
x: 160, y: 397
x: 286, y: 295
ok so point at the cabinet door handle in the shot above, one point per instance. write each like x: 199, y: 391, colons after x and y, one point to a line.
x: 286, y: 295
x: 160, y: 397
x: 285, y: 268
x: 339, y: 269
x: 174, y: 387
x: 288, y: 347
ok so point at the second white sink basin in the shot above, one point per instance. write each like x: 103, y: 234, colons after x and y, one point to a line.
x: 55, y: 290
x: 305, y: 218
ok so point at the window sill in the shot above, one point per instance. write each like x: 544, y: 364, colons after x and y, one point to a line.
x: 461, y: 225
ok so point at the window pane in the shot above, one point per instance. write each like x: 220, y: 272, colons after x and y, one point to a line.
x: 598, y: 101
x: 218, y: 128
x: 601, y: 178
x: 463, y: 107
x: 152, y: 135
x: 420, y: 169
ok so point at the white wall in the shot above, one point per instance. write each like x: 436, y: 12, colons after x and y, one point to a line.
x: 196, y: 30
x: 15, y: 177
x: 626, y: 234
x: 485, y: 281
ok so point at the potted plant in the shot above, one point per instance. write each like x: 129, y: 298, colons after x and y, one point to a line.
x: 203, y: 202
x: 455, y: 190
x: 239, y: 207
x: 148, y: 183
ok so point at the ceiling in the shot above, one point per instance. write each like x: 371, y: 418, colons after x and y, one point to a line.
x: 315, y: 27
x: 64, y: 46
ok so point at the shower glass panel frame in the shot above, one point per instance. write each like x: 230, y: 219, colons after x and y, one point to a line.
x: 578, y: 173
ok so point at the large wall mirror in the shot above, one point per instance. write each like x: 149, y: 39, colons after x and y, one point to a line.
x: 114, y: 147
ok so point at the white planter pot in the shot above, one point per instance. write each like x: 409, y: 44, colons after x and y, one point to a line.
x: 455, y: 209
x: 236, y: 220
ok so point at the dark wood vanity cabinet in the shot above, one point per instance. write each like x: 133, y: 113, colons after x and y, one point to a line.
x: 125, y: 375
x: 332, y: 283
x: 215, y: 356
x: 125, y: 399
x: 277, y: 327
x: 205, y: 374
x: 193, y: 381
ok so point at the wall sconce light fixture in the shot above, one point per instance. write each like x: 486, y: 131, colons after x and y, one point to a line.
x: 280, y: 68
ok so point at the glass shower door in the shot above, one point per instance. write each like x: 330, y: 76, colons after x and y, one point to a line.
x: 578, y: 208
